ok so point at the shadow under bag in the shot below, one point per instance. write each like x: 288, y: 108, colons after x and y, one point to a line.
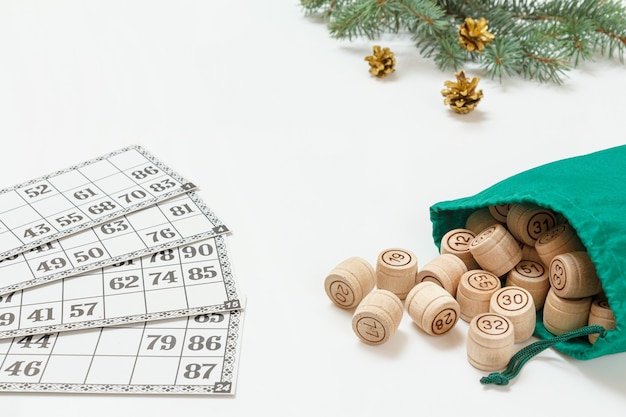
x: 589, y: 191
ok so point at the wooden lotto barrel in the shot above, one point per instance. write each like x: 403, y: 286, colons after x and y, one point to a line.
x: 561, y: 315
x: 474, y: 293
x: 496, y: 250
x: 516, y: 304
x: 377, y: 317
x: 395, y: 271
x: 527, y: 222
x: 573, y: 275
x: 479, y: 220
x: 601, y: 314
x: 533, y: 277
x: 556, y: 241
x: 432, y: 308
x: 444, y: 270
x: 349, y: 282
x: 529, y: 253
x: 500, y: 212
x: 490, y: 342
x: 456, y: 242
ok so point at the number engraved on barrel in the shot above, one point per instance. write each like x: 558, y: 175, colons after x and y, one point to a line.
x: 396, y: 258
x: 540, y: 223
x: 558, y: 275
x: 530, y: 269
x: 492, y: 324
x: 512, y: 299
x: 370, y: 329
x: 482, y: 281
x: 444, y: 321
x: 460, y: 241
x: 342, y: 293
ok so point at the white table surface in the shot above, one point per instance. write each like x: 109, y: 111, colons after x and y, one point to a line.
x: 309, y: 160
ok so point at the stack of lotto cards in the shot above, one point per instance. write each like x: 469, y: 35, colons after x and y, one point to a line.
x: 115, y: 278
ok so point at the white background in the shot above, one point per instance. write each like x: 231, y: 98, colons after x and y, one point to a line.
x: 309, y: 160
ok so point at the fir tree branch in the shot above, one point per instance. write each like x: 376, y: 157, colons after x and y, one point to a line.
x: 449, y: 54
x: 370, y: 18
x: 429, y: 18
x: 312, y: 6
x: 367, y: 18
x: 503, y: 57
x: 615, y: 36
x: 614, y: 43
x: 543, y: 68
x: 536, y: 39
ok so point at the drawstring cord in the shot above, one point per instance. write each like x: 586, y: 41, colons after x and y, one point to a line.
x: 527, y: 353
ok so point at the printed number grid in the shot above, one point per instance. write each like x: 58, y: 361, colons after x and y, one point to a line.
x: 191, y: 355
x: 167, y: 224
x: 74, y: 199
x: 182, y: 281
x: 111, y: 281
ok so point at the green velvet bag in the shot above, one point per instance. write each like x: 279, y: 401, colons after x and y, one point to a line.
x: 590, y: 192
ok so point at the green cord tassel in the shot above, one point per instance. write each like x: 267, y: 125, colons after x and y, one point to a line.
x: 527, y: 353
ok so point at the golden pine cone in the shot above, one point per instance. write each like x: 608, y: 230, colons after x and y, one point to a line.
x: 382, y: 62
x: 462, y: 96
x: 473, y: 34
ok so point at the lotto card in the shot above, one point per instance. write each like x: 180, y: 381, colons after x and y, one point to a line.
x: 170, y: 223
x: 189, y: 355
x: 77, y: 198
x: 192, y: 279
x: 119, y: 251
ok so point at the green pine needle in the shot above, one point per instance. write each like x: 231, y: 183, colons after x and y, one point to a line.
x: 535, y: 39
x: 503, y: 57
